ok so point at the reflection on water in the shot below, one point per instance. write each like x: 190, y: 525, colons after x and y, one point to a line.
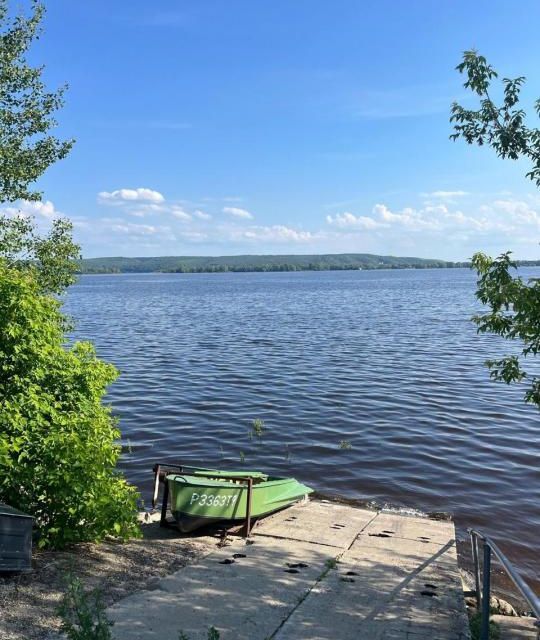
x: 386, y: 360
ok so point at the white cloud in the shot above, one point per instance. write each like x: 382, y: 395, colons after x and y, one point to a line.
x: 121, y: 196
x: 193, y: 236
x: 137, y: 229
x: 517, y: 210
x: 42, y: 212
x: 179, y: 213
x: 275, y: 233
x: 439, y: 219
x: 348, y: 220
x: 445, y: 195
x: 27, y: 208
x: 445, y: 224
x: 238, y: 213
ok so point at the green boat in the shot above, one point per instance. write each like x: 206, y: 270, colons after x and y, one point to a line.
x: 206, y: 496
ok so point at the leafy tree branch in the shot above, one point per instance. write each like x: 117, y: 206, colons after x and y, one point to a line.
x: 27, y: 109
x: 513, y: 304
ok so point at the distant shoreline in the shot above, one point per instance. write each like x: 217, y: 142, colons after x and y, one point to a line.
x: 259, y: 263
x: 267, y: 263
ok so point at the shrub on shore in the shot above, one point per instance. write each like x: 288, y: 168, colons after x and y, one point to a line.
x: 58, y: 449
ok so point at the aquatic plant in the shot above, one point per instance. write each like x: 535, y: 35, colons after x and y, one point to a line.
x: 257, y: 427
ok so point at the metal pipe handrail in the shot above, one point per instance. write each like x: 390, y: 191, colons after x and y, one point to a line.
x: 483, y: 596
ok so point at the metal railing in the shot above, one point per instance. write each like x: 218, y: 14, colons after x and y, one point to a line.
x: 482, y: 579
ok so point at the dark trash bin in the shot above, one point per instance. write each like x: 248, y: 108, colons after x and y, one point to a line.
x: 15, y: 540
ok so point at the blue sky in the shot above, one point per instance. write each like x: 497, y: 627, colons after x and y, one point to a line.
x: 297, y: 126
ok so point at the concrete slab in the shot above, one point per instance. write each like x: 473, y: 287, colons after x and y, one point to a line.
x: 378, y: 592
x: 403, y: 552
x: 516, y: 628
x: 312, y: 572
x: 245, y: 600
x: 322, y: 523
x: 411, y: 528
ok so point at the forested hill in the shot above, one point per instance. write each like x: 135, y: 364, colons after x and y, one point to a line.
x: 201, y: 264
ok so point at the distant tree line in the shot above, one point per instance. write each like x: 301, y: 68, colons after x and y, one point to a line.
x: 256, y: 263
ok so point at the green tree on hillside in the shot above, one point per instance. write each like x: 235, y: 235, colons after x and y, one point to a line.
x: 58, y: 450
x: 514, y: 305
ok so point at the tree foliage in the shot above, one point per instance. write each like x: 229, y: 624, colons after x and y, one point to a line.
x: 514, y: 305
x: 26, y: 109
x: 501, y: 126
x: 52, y: 258
x: 514, y: 313
x: 57, y: 443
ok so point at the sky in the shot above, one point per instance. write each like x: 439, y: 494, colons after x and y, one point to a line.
x: 223, y: 127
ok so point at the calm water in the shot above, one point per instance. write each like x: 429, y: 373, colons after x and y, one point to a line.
x: 386, y: 360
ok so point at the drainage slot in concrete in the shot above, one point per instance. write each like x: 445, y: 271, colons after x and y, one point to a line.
x: 297, y: 565
x: 430, y: 586
x: 227, y: 561
x: 386, y: 531
x: 353, y: 573
x: 347, y: 579
x: 291, y: 571
x: 380, y: 535
x: 239, y: 555
x: 429, y: 594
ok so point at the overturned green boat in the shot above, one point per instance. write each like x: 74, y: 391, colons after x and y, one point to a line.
x: 205, y: 496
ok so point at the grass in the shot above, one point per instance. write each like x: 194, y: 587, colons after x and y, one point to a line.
x: 475, y: 625
x: 83, y: 613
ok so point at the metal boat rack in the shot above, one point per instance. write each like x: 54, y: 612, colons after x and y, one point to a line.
x: 163, y: 469
x: 483, y: 577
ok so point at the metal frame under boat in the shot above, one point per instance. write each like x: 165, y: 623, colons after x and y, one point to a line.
x: 161, y: 470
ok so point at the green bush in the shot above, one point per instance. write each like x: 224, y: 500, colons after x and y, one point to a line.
x: 58, y: 441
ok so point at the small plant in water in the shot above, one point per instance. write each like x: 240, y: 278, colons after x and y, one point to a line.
x: 345, y: 444
x: 257, y: 428
x: 242, y: 457
x: 83, y: 613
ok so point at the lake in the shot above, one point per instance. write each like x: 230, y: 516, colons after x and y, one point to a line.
x: 371, y: 385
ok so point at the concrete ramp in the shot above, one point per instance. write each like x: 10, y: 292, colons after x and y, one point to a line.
x: 388, y: 587
x: 316, y: 571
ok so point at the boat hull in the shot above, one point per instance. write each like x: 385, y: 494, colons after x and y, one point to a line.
x: 197, y: 501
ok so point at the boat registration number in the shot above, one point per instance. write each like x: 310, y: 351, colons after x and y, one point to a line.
x: 210, y: 500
